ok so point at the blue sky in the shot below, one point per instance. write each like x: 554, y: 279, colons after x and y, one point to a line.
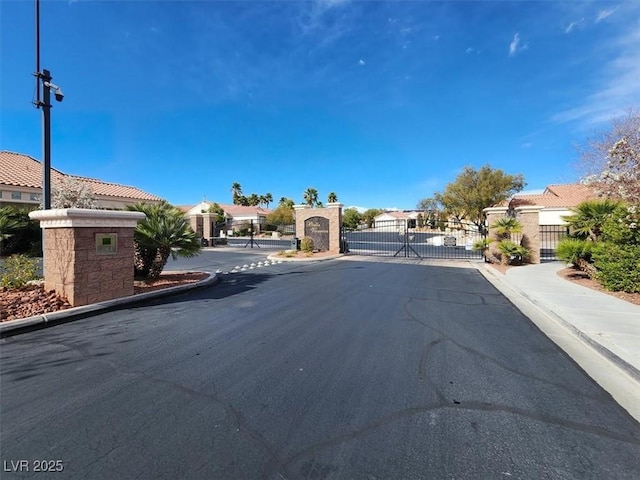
x: 381, y: 102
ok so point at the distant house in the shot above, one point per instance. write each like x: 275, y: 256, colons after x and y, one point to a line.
x: 555, y: 202
x: 236, y: 217
x: 395, y: 219
x: 21, y: 185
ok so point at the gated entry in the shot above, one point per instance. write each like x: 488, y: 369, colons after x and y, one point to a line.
x: 394, y: 238
x: 248, y: 234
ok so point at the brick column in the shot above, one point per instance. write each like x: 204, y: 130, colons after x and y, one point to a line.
x: 88, y: 254
x: 207, y: 231
x: 493, y: 214
x: 529, y: 217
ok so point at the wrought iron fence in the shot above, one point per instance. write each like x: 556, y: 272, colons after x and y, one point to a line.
x: 399, y: 238
x: 550, y: 236
x: 250, y: 234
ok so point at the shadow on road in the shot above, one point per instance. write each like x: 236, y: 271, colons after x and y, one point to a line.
x: 229, y: 285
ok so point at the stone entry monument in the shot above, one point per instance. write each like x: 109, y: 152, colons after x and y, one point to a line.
x: 323, y: 225
x: 317, y: 228
x: 88, y: 254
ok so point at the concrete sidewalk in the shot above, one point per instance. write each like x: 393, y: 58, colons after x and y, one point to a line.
x: 604, y: 323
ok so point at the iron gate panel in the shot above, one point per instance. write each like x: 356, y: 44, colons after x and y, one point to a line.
x: 550, y: 236
x: 250, y: 234
x: 392, y: 238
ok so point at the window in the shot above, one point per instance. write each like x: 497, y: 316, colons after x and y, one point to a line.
x: 16, y: 196
x: 35, y: 197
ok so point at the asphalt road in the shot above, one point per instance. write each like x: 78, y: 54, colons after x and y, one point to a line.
x: 335, y: 370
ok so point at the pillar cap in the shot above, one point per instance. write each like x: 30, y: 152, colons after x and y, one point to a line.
x: 495, y: 209
x: 84, y: 217
x: 528, y: 208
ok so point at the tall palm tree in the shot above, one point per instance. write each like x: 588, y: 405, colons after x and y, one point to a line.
x: 253, y: 200
x: 236, y: 191
x: 587, y: 218
x: 286, y: 202
x: 268, y: 198
x: 165, y: 231
x: 332, y: 198
x: 310, y: 196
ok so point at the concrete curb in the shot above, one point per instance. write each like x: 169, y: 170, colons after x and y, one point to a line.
x: 14, y: 327
x: 276, y: 257
x: 498, y: 280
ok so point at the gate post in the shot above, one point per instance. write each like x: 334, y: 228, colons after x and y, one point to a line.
x: 88, y: 254
x: 529, y: 216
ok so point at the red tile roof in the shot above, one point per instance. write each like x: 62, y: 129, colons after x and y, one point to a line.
x: 233, y: 210
x: 554, y: 196
x: 24, y: 171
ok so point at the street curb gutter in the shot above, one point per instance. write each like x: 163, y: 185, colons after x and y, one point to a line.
x: 23, y: 325
x: 580, y: 335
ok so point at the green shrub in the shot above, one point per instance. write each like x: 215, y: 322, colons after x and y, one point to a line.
x: 306, y: 244
x: 512, y: 253
x: 618, y: 266
x: 573, y: 250
x: 17, y: 270
x: 482, y: 245
x: 623, y: 226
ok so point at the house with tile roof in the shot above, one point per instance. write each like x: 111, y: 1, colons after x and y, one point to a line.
x: 236, y: 216
x: 541, y: 216
x: 21, y: 185
x: 555, y: 201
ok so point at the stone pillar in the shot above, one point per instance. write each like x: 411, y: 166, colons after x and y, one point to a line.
x: 300, y: 216
x: 88, y: 254
x: 335, y: 227
x: 332, y: 215
x: 207, y: 231
x: 529, y: 217
x: 493, y: 214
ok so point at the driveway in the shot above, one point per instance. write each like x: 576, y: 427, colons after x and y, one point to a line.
x: 335, y: 370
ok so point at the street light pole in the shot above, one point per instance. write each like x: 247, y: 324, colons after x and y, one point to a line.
x: 45, y: 77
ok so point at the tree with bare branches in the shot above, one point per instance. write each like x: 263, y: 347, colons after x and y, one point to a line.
x: 610, y: 161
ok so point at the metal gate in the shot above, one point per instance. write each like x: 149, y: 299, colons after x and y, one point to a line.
x: 394, y: 238
x: 250, y: 234
x: 550, y: 236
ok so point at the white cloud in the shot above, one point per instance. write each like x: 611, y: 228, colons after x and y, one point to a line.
x: 515, y: 47
x: 602, y: 14
x: 573, y: 25
x: 361, y: 62
x: 617, y: 85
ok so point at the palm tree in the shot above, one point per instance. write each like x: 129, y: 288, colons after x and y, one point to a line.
x: 165, y: 231
x: 332, y: 198
x: 236, y: 190
x: 287, y: 202
x: 310, y: 196
x: 505, y: 226
x: 268, y: 198
x: 588, y: 217
x: 12, y: 220
x: 253, y: 200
